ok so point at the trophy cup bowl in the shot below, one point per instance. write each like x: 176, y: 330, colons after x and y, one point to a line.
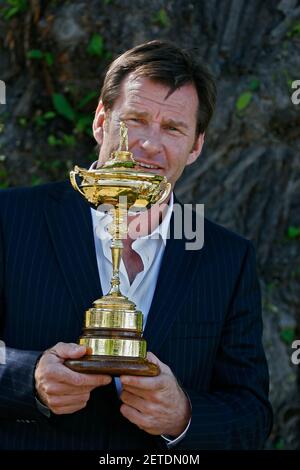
x: 113, y: 327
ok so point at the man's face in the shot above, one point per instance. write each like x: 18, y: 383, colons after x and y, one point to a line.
x: 161, y: 132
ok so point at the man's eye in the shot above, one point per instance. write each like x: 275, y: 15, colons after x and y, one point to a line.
x: 135, y: 119
x: 172, y: 129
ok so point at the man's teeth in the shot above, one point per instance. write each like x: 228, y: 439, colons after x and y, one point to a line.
x: 147, y: 166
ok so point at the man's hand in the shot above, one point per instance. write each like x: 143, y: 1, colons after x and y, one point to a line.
x: 155, y: 404
x: 61, y: 389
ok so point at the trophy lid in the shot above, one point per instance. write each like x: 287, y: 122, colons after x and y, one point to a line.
x: 121, y: 157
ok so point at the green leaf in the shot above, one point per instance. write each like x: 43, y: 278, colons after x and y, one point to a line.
x: 53, y: 141
x: 36, y: 180
x: 294, y: 31
x: 22, y: 121
x: 108, y: 55
x: 69, y: 140
x: 162, y: 18
x: 63, y: 107
x: 287, y: 335
x: 243, y: 100
x: 15, y: 7
x: 96, y: 45
x: 3, y: 177
x: 86, y: 99
x: 293, y: 232
x: 83, y: 123
x: 49, y: 58
x: 35, y: 54
x: 279, y: 445
x: 49, y: 115
x: 254, y: 84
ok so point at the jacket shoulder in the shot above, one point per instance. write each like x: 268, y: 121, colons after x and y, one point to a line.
x: 34, y: 195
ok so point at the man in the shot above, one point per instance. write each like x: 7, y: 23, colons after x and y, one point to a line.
x: 202, y: 308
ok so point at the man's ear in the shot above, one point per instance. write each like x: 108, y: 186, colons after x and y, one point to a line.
x: 98, y: 123
x: 195, y: 152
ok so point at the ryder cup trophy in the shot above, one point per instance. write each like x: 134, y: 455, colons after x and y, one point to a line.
x: 113, y: 326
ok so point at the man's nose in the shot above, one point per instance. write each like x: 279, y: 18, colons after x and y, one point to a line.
x: 151, y: 143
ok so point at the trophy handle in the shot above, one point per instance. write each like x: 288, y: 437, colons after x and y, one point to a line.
x: 165, y: 194
x: 73, y: 174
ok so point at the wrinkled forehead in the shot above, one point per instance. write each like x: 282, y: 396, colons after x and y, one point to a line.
x: 135, y: 89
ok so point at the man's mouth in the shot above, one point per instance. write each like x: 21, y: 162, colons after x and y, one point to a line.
x: 148, y: 166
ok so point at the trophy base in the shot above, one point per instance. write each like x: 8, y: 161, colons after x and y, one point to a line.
x: 112, y: 365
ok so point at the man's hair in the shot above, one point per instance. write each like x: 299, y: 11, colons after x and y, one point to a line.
x: 169, y: 65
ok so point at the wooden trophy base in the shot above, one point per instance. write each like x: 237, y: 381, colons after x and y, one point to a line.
x: 112, y: 365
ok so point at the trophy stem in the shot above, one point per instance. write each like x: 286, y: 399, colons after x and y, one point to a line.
x: 118, y: 230
x: 116, y: 254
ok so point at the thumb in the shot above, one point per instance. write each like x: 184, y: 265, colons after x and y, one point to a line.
x: 67, y: 350
x: 154, y: 359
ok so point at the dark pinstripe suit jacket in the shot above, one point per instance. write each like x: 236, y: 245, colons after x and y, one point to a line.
x: 204, y: 322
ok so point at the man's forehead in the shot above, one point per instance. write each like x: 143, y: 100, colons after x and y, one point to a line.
x: 134, y: 86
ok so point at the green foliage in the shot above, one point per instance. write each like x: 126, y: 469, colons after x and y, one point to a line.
x: 22, y: 121
x: 67, y: 140
x: 36, y: 54
x: 243, y: 101
x: 14, y: 7
x: 254, y: 84
x: 162, y: 18
x: 287, y: 335
x: 279, y: 444
x: 83, y: 123
x: 96, y: 46
x: 48, y: 56
x: 41, y: 119
x: 63, y: 107
x: 293, y: 232
x: 86, y: 99
x: 4, y: 180
x: 36, y: 180
x: 294, y: 31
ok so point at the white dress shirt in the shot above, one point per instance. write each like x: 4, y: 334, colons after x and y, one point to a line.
x: 151, y: 249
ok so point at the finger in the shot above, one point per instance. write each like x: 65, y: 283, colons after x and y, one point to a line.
x: 154, y: 359
x: 62, y: 374
x: 140, y: 404
x: 68, y: 400
x: 144, y: 383
x: 63, y: 410
x: 65, y: 389
x: 135, y: 417
x: 139, y: 392
x: 67, y: 350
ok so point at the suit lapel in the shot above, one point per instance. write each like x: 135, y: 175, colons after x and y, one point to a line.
x: 70, y: 226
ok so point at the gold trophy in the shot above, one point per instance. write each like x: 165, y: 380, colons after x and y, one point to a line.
x: 113, y: 326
